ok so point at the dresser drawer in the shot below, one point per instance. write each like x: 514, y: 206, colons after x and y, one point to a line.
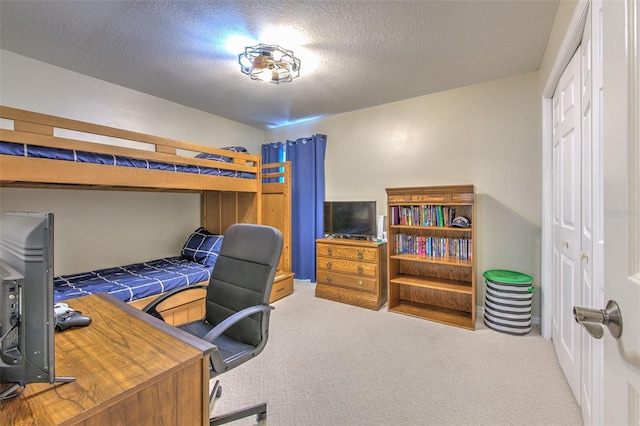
x: 282, y: 286
x: 350, y: 281
x: 348, y: 266
x: 351, y: 271
x: 365, y: 254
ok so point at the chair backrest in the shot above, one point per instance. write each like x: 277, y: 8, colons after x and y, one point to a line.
x: 242, y: 277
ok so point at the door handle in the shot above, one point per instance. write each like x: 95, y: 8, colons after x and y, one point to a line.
x: 593, y: 319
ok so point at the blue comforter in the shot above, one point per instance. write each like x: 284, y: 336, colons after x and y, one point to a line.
x: 132, y: 282
x: 25, y: 150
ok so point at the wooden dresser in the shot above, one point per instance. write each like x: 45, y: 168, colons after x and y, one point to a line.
x: 352, y: 271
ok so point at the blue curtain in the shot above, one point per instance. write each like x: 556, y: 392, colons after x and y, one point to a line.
x: 307, y: 192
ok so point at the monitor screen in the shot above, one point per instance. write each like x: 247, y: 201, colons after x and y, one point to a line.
x: 26, y: 310
x: 350, y: 218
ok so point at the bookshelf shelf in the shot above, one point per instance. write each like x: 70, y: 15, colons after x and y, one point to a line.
x: 431, y: 265
x: 440, y: 284
x: 434, y: 228
x: 434, y: 313
x: 432, y: 259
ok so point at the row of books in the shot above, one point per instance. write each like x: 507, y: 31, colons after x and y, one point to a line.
x: 455, y: 248
x: 423, y: 215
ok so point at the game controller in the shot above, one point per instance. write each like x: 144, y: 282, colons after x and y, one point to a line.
x: 67, y: 317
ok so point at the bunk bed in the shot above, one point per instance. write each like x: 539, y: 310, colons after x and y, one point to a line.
x: 46, y: 151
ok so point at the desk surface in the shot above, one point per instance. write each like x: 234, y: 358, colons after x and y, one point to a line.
x: 128, y: 366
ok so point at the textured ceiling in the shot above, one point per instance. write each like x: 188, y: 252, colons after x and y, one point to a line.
x: 355, y: 54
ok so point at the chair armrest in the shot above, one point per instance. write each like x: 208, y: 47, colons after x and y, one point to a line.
x: 151, y: 307
x: 224, y: 325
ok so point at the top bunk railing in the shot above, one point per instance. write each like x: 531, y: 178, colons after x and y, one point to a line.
x: 41, y: 130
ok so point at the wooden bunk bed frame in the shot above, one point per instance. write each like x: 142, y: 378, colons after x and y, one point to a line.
x: 276, y: 212
x: 224, y: 200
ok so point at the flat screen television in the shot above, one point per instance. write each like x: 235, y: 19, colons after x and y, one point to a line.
x: 350, y: 219
x: 26, y: 308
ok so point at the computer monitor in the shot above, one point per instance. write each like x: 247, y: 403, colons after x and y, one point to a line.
x: 26, y: 308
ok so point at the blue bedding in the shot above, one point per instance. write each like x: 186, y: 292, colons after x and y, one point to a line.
x: 34, y: 151
x: 132, y: 282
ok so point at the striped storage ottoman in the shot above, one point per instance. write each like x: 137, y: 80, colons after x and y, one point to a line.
x: 507, y: 304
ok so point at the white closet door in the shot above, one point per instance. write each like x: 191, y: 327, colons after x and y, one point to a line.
x: 567, y: 221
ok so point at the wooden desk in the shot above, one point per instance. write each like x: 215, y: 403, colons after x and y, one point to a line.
x: 130, y: 369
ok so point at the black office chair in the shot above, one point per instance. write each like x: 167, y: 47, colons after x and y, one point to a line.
x: 237, y: 310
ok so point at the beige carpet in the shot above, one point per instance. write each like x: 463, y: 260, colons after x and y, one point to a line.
x: 327, y: 363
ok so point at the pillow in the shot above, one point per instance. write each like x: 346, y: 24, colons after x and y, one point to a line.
x: 202, y: 247
x: 217, y: 157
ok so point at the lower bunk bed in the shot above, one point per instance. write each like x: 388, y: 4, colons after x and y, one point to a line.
x: 140, y: 283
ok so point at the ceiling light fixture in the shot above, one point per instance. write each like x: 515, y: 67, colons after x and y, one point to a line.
x: 268, y: 62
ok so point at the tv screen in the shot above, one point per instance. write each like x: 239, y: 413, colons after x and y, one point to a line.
x: 26, y: 309
x: 350, y: 218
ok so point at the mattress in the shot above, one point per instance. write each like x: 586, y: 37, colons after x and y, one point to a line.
x: 132, y: 282
x: 34, y: 151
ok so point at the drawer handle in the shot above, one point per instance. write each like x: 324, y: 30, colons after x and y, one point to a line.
x: 330, y: 251
x: 329, y: 265
x: 329, y: 278
x: 360, y: 269
x: 360, y: 254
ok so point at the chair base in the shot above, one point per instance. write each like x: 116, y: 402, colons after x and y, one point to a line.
x: 259, y: 410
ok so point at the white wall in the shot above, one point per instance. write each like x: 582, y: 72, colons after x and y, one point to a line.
x: 100, y: 228
x: 486, y: 134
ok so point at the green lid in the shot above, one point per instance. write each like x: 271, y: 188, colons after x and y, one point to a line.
x: 507, y: 277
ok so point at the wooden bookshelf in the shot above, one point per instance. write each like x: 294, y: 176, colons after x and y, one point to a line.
x: 431, y: 264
